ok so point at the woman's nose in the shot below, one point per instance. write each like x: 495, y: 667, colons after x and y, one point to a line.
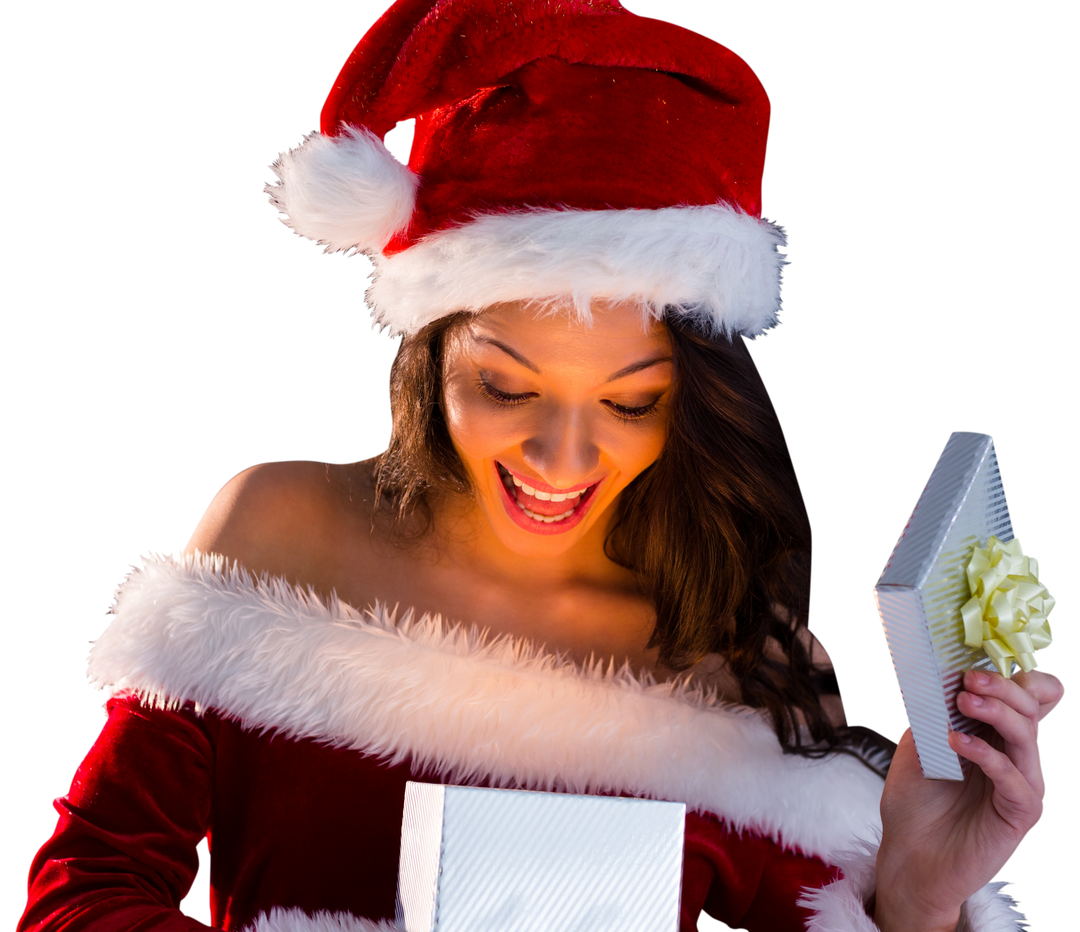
x: 562, y: 451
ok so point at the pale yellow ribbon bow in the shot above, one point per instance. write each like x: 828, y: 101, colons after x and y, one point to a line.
x: 1006, y: 614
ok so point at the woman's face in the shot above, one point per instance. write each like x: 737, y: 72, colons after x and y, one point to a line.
x: 554, y: 418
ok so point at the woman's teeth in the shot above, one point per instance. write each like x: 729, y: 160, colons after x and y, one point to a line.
x: 544, y: 496
x: 547, y: 519
x: 513, y: 483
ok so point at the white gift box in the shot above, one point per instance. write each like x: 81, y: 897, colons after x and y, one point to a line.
x: 486, y: 860
x: 924, y: 585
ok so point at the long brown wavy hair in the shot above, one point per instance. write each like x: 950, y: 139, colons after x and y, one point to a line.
x: 715, y: 529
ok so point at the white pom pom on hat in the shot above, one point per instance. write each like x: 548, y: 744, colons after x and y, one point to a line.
x: 346, y: 192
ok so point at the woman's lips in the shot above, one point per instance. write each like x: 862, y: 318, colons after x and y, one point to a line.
x: 545, y: 510
x: 539, y: 485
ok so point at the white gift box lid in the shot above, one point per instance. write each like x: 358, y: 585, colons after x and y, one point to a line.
x: 486, y: 860
x: 924, y: 585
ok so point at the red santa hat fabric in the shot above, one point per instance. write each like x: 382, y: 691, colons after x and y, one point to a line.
x: 564, y: 151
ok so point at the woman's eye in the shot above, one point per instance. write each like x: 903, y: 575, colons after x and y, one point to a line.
x: 632, y: 414
x: 501, y: 397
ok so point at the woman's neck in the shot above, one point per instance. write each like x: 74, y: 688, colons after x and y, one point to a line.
x: 462, y: 535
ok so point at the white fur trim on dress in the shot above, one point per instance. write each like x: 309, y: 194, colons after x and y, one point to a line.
x: 841, y: 905
x: 273, y: 656
x: 714, y: 264
x: 280, y: 919
x: 839, y: 908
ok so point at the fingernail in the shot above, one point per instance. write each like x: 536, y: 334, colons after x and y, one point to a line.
x: 975, y: 698
x: 964, y: 739
x: 982, y: 679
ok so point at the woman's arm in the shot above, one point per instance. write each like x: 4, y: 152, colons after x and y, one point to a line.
x: 943, y: 840
x: 123, y: 853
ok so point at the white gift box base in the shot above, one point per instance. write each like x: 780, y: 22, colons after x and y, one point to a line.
x: 924, y: 585
x: 486, y: 860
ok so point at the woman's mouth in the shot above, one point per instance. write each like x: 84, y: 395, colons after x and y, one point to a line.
x: 544, y: 510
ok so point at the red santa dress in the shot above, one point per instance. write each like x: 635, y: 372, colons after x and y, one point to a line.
x: 285, y: 728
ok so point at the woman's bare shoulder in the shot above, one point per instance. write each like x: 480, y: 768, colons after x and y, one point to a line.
x: 286, y: 518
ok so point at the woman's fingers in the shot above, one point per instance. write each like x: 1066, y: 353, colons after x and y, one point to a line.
x: 1045, y: 688
x: 1013, y: 708
x: 992, y: 698
x: 1033, y: 694
x: 1017, y: 730
x: 1015, y: 800
x: 1012, y: 692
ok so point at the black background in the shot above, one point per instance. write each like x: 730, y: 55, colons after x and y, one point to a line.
x: 176, y: 334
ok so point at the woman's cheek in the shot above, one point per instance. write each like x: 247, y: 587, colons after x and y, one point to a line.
x: 654, y: 442
x: 635, y: 446
x: 477, y: 431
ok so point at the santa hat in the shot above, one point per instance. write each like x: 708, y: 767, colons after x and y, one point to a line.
x: 564, y: 150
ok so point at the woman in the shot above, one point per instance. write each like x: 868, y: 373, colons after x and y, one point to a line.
x: 582, y: 410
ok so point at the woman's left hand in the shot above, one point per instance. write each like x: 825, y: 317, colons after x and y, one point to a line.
x: 943, y: 840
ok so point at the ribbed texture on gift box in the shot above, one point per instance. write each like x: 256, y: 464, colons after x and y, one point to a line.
x: 924, y: 585
x: 517, y: 861
x: 421, y: 847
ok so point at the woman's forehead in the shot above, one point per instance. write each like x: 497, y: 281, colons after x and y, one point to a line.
x: 616, y: 345
x: 617, y: 335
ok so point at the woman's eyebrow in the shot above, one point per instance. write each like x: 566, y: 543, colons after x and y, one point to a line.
x: 637, y: 367
x: 513, y: 354
x: 624, y: 371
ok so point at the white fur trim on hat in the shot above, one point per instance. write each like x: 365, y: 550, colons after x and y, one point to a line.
x: 714, y: 264
x: 345, y: 192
